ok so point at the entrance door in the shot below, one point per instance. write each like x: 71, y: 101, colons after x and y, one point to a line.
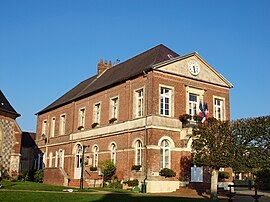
x: 78, y: 162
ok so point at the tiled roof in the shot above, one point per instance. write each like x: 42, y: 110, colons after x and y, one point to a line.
x: 116, y: 74
x: 6, y: 107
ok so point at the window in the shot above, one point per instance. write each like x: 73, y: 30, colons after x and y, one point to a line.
x: 56, y: 159
x: 114, y: 107
x: 61, y: 158
x: 50, y: 159
x: 81, y: 119
x: 97, y: 109
x: 44, y: 128
x: 52, y: 127
x: 62, y: 124
x: 78, y: 156
x: 193, y: 104
x: 95, y: 156
x: 113, y: 153
x: 138, y: 154
x: 165, y: 154
x: 219, y: 109
x: 139, y: 103
x: 165, y: 101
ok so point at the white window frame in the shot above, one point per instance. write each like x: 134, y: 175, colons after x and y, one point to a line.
x: 191, y: 110
x: 163, y: 97
x: 114, y: 107
x: 163, y: 149
x: 222, y: 108
x: 97, y: 113
x: 44, y: 127
x: 113, y: 149
x: 196, y: 91
x: 139, y: 103
x: 52, y: 128
x: 61, y: 158
x: 81, y: 117
x: 138, y: 152
x: 62, y: 127
x: 50, y: 159
x: 56, y: 159
x: 95, y: 155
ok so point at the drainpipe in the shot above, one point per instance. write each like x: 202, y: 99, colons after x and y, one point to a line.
x: 145, y: 129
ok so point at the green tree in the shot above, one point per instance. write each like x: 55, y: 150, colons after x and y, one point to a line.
x: 252, y: 139
x: 213, y: 146
x: 108, y: 170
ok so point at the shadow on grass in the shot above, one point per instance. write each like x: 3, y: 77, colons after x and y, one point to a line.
x: 117, y: 197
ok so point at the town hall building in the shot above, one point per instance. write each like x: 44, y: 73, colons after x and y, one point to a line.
x: 129, y: 113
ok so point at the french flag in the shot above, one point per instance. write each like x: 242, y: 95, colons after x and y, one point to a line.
x: 203, y: 111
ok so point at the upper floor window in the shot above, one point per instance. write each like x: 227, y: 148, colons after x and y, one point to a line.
x: 95, y: 156
x: 81, y: 118
x: 139, y: 103
x: 219, y: 109
x: 44, y: 127
x: 52, y: 130
x: 114, y: 107
x: 193, y: 104
x: 97, y: 110
x: 165, y: 101
x: 113, y: 153
x: 62, y: 124
x: 165, y: 154
x: 138, y: 154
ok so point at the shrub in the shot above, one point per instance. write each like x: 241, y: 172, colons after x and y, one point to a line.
x: 185, y: 118
x: 39, y: 174
x: 94, y: 125
x: 197, y: 118
x: 223, y: 175
x: 263, y: 179
x: 132, y: 183
x: 115, y: 185
x: 108, y: 169
x: 112, y: 120
x: 136, y: 167
x: 93, y: 168
x: 166, y: 172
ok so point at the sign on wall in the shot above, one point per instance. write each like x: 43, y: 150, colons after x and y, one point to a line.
x: 196, y: 174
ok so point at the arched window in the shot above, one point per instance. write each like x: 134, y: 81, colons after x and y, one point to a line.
x: 95, y: 156
x: 165, y: 154
x: 50, y: 159
x: 138, y: 152
x: 61, y: 158
x: 56, y: 159
x: 113, y: 153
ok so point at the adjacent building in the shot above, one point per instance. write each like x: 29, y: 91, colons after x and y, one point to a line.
x: 129, y: 113
x: 10, y: 138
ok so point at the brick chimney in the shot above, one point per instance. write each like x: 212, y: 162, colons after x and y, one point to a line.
x: 102, y: 66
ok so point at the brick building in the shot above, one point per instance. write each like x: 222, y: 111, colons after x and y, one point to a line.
x: 129, y: 113
x: 10, y: 138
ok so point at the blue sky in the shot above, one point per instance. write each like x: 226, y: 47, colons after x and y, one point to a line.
x: 47, y: 47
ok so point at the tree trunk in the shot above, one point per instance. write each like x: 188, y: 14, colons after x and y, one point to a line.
x: 214, y: 181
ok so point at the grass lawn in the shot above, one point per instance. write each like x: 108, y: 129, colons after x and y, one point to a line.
x: 31, y: 191
x: 6, y: 196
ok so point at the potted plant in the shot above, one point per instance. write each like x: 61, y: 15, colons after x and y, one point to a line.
x: 80, y: 128
x: 222, y: 175
x: 93, y: 168
x: 185, y: 119
x: 136, y: 168
x: 94, y: 125
x: 112, y: 120
x: 166, y: 172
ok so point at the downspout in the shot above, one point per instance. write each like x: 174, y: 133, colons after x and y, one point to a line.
x: 145, y: 128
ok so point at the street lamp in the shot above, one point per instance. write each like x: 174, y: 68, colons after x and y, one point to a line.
x: 82, y: 166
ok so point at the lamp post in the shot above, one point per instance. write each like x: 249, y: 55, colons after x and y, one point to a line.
x: 82, y: 166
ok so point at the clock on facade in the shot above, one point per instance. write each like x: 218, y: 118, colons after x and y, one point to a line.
x: 194, y: 67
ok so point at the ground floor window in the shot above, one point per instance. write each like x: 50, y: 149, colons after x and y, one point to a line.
x: 165, y: 154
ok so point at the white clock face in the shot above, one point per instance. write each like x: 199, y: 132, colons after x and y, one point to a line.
x: 194, y: 67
